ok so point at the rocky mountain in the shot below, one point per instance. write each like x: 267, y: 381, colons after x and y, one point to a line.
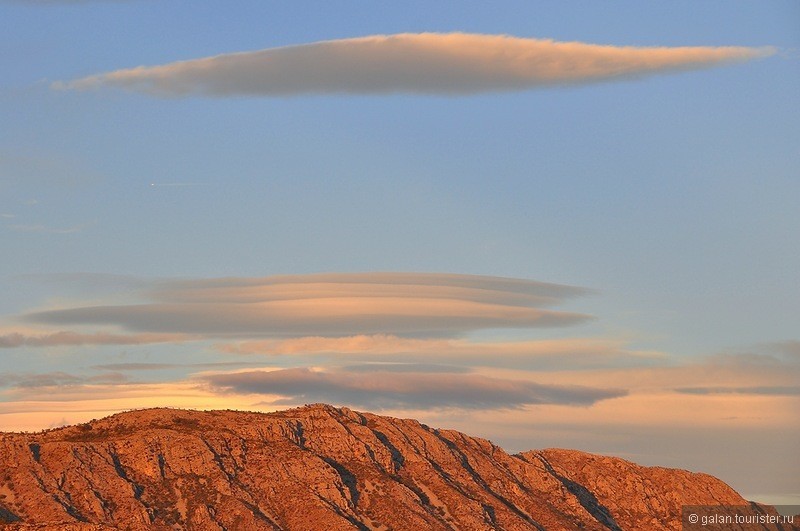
x: 322, y: 468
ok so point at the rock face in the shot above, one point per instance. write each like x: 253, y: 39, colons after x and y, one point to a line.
x: 322, y: 468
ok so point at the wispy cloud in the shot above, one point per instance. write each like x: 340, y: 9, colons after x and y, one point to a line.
x: 66, y: 338
x: 723, y: 372
x: 176, y: 185
x: 45, y: 229
x: 528, y: 354
x: 430, y: 63
x: 392, y: 389
x: 431, y: 368
x: 57, y: 379
x: 162, y: 366
x: 767, y: 390
x: 416, y: 304
x: 135, y: 366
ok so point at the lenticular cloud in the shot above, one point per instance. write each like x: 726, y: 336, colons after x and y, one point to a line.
x: 333, y: 304
x: 426, y: 63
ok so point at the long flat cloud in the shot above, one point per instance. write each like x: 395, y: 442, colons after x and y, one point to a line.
x: 548, y: 354
x: 428, y: 63
x: 478, y: 288
x: 417, y: 304
x: 391, y: 389
x: 713, y: 377
x: 57, y: 379
x: 67, y: 338
x: 778, y: 390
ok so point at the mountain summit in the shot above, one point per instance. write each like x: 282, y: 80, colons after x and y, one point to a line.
x: 322, y: 468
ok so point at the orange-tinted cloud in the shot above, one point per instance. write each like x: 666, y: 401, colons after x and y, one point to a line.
x: 416, y: 304
x: 56, y: 379
x: 755, y: 372
x: 559, y: 354
x: 390, y: 344
x: 430, y: 63
x: 67, y: 338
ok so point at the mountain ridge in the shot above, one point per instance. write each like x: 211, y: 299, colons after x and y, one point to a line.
x: 323, y: 467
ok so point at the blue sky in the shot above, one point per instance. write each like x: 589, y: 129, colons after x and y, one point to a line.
x: 671, y: 197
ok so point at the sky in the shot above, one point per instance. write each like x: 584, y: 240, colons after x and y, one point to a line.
x: 550, y: 224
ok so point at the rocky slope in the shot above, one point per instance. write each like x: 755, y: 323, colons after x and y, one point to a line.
x: 322, y: 468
